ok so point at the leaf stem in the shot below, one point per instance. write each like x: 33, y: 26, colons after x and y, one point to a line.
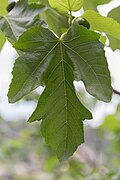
x: 70, y: 18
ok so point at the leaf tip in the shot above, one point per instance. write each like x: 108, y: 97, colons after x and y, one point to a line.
x: 10, y: 98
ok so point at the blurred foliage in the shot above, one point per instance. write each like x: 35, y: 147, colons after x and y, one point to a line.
x: 112, y: 122
x: 2, y: 39
x: 115, y: 14
x: 92, y: 4
x: 25, y: 156
x: 3, y: 4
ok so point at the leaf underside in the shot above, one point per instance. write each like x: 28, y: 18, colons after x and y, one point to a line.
x: 19, y: 19
x: 56, y: 63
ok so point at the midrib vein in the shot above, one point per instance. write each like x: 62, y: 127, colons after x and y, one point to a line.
x: 65, y: 96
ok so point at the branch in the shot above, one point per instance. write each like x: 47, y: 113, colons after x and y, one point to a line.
x: 116, y: 92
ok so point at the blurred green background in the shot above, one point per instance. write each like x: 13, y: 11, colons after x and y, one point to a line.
x: 25, y: 156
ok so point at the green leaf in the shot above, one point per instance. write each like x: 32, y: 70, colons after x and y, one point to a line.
x: 3, y: 5
x: 115, y: 14
x: 44, y: 2
x: 92, y: 4
x: 56, y: 22
x: 111, y: 123
x: 56, y: 63
x: 10, y: 6
x: 2, y: 40
x: 33, y: 1
x: 20, y: 18
x: 64, y: 6
x: 103, y: 24
x: 103, y: 39
x: 114, y: 43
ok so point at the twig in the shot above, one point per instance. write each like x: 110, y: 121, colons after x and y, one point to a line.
x: 116, y: 92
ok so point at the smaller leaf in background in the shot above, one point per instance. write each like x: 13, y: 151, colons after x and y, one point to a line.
x: 2, y: 40
x: 56, y: 22
x: 33, y: 1
x: 114, y: 43
x: 115, y: 14
x: 20, y: 18
x: 102, y: 24
x: 51, y: 164
x: 111, y: 123
x: 10, y: 6
x: 103, y: 39
x: 92, y: 4
x: 3, y: 5
x: 44, y: 2
x: 83, y: 22
x: 64, y: 6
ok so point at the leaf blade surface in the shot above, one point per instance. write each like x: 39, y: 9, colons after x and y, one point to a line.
x: 56, y: 63
x: 64, y: 6
x: 93, y: 4
x: 115, y: 14
x: 103, y: 24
